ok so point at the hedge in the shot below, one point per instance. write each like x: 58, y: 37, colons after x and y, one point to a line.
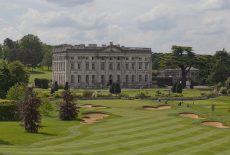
x: 8, y: 111
x: 41, y: 83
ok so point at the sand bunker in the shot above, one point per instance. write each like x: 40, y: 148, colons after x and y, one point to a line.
x: 215, y: 124
x: 190, y: 115
x: 160, y: 107
x: 91, y: 118
x: 92, y: 106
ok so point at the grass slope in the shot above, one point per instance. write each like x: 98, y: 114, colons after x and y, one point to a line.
x: 129, y: 130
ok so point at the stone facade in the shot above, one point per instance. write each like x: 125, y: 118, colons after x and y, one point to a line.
x: 95, y: 66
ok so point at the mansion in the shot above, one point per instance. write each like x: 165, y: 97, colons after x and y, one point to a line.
x: 94, y: 66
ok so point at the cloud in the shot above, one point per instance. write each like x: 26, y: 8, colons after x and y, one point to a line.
x: 69, y: 3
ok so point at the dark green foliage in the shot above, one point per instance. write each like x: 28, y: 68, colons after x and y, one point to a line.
x: 16, y: 92
x: 41, y: 83
x: 115, y: 88
x: 11, y: 74
x: 177, y: 88
x: 174, y: 88
x: 227, y: 83
x: 68, y: 110
x: 30, y: 115
x: 163, y: 81
x: 66, y: 86
x: 8, y: 111
x: 55, y: 87
x: 47, y: 55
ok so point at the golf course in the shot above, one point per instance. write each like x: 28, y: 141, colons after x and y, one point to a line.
x: 126, y: 127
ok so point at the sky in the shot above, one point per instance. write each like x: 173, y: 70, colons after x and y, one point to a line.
x: 157, y: 24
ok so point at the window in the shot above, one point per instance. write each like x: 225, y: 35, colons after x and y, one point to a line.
x: 110, y: 66
x: 72, y: 66
x: 93, y: 78
x: 140, y: 65
x: 79, y: 78
x: 118, y: 78
x: 133, y: 58
x: 133, y: 65
x: 140, y: 58
x: 93, y: 66
x: 126, y: 58
x: 102, y: 79
x: 87, y: 66
x: 79, y: 66
x: 127, y: 66
x: 110, y: 58
x: 72, y: 79
x: 146, y: 65
x: 133, y: 78
x: 102, y: 66
x: 127, y: 78
x: 87, y: 58
x: 118, y: 66
x: 140, y: 78
x: 87, y: 79
x: 146, y: 78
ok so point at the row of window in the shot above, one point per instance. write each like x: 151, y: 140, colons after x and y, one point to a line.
x: 110, y: 58
x: 111, y: 66
x: 128, y: 79
x: 58, y: 66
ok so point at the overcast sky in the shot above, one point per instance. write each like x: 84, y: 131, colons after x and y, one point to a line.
x: 159, y: 24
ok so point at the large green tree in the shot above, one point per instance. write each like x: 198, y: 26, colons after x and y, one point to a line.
x: 31, y: 48
x: 181, y: 57
x: 11, y: 74
x: 47, y: 55
x: 221, y: 67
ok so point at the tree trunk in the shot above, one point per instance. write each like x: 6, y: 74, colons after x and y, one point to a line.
x: 183, y: 77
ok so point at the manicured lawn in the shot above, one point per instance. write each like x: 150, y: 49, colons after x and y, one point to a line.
x: 129, y: 130
x: 40, y: 73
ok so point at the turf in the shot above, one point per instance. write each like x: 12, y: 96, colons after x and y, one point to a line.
x: 130, y: 130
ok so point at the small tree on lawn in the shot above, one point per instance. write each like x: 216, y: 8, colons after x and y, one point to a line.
x: 174, y: 88
x: 68, y: 110
x: 55, y: 87
x: 179, y: 88
x: 66, y: 86
x: 115, y: 89
x: 30, y: 114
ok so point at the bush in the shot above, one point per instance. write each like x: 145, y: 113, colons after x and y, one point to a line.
x: 8, y: 111
x: 115, y: 88
x: 179, y: 88
x: 141, y: 95
x: 68, y: 110
x: 223, y: 90
x: 46, y: 107
x: 228, y: 91
x: 16, y: 92
x: 66, y: 86
x: 87, y: 93
x: 174, y: 88
x: 41, y: 83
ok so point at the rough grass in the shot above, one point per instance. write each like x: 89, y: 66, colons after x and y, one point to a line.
x: 130, y: 130
x: 40, y: 73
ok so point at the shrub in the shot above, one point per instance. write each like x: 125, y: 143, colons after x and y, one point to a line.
x: 46, y: 107
x: 30, y: 114
x: 174, y: 88
x: 223, y: 90
x: 87, y: 93
x: 41, y: 83
x: 228, y: 91
x: 66, y: 86
x: 141, y: 95
x: 68, y: 110
x: 8, y: 111
x: 55, y: 87
x: 16, y: 92
x: 179, y: 88
x: 115, y: 88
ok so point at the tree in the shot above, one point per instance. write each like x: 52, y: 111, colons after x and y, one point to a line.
x: 68, y: 110
x: 47, y: 55
x: 221, y: 67
x: 115, y: 88
x: 16, y: 92
x: 30, y: 114
x: 55, y: 87
x: 11, y: 74
x: 31, y: 48
x: 181, y: 57
x: 66, y: 86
